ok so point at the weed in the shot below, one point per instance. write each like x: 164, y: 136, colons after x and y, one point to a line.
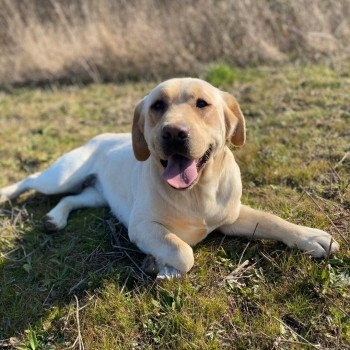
x: 221, y: 75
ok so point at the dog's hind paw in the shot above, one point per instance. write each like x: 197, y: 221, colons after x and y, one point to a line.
x: 51, y: 224
x: 3, y: 198
x: 168, y: 272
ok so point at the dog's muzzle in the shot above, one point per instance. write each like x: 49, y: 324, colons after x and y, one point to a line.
x: 175, y: 139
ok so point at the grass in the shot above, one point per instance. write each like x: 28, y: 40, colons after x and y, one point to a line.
x: 293, y: 164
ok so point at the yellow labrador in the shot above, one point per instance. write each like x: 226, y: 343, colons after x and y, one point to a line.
x: 183, y: 184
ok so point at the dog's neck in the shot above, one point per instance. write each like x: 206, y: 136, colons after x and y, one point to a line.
x: 208, y: 199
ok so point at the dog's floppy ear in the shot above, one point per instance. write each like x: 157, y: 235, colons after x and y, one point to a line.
x: 234, y: 120
x: 139, y: 143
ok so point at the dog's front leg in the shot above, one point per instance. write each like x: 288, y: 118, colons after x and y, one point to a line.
x: 258, y: 224
x: 173, y: 256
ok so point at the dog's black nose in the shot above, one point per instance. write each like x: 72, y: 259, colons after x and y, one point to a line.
x: 175, y: 132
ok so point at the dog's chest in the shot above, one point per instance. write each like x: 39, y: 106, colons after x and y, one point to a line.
x: 190, y: 230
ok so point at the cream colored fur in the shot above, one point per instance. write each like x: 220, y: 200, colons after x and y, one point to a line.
x: 162, y: 221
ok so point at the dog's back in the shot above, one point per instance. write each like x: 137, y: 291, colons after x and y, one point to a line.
x: 101, y: 171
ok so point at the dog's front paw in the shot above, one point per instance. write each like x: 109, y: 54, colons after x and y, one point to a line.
x: 316, y: 242
x: 168, y: 272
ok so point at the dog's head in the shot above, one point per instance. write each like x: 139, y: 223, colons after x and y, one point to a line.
x: 182, y: 123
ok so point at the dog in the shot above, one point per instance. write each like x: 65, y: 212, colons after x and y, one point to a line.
x: 172, y: 181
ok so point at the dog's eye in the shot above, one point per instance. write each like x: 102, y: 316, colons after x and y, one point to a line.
x: 159, y: 105
x: 201, y: 103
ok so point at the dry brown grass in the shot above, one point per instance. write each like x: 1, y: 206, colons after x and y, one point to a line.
x: 111, y: 40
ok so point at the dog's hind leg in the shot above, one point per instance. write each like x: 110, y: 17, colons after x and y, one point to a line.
x: 14, y: 190
x: 67, y: 174
x: 90, y: 197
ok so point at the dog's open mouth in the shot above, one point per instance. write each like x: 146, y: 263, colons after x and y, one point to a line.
x: 181, y: 172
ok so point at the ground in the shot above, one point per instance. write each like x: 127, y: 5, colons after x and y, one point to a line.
x: 84, y: 285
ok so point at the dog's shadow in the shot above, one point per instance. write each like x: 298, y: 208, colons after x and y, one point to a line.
x: 41, y: 271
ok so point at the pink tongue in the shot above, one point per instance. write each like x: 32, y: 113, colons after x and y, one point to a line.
x: 180, y: 172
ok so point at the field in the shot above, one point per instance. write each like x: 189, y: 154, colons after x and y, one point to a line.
x: 117, y: 40
x: 83, y: 287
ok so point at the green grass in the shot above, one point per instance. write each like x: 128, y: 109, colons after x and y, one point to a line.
x: 298, y: 132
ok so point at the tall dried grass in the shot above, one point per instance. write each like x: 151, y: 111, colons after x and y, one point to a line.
x: 111, y: 40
